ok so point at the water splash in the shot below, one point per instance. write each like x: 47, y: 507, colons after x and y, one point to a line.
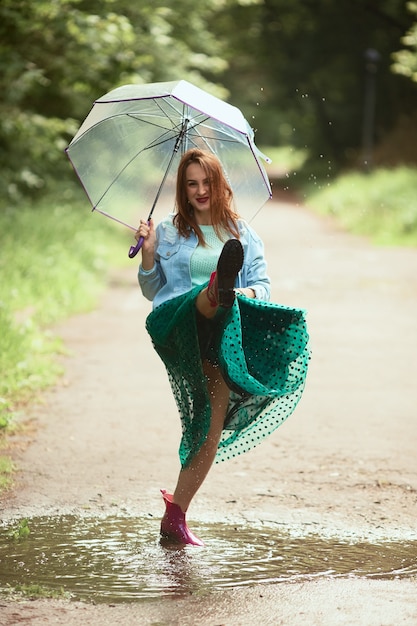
x: 120, y: 559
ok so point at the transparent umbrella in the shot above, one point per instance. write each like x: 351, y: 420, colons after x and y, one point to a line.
x: 127, y: 150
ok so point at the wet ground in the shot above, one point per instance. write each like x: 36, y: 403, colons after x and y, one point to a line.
x: 315, y: 526
x: 119, y: 559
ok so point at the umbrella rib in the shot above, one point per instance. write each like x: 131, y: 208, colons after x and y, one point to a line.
x: 140, y: 119
x: 172, y: 132
x: 114, y: 181
x: 178, y: 143
x: 115, y: 219
x: 155, y: 143
x: 156, y: 102
x: 184, y: 115
x: 175, y: 125
x: 179, y: 138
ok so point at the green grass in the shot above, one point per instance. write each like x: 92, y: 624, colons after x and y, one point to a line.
x: 20, y: 531
x: 54, y: 261
x: 6, y: 472
x: 34, y: 592
x: 381, y: 205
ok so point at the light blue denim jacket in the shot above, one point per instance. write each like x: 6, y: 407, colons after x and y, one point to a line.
x: 171, y: 276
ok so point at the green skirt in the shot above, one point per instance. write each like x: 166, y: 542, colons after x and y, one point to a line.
x: 262, y: 350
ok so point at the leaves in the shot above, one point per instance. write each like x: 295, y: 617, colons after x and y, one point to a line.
x: 20, y: 531
x: 58, y: 57
x: 297, y: 70
x: 405, y: 60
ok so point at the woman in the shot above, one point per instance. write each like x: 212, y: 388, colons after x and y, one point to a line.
x: 230, y: 392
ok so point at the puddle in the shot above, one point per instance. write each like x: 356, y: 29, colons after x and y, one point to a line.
x: 119, y: 559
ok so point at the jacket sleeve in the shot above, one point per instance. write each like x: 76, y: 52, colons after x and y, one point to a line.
x: 255, y: 266
x: 151, y: 281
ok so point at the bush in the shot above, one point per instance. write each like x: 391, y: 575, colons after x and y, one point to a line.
x: 54, y: 260
x: 382, y: 204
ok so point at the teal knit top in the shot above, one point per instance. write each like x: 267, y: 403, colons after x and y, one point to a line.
x: 204, y: 258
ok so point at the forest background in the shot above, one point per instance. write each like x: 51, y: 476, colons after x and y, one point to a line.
x: 329, y: 86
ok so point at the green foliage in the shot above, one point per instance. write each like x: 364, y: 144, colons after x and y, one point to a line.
x: 54, y: 257
x: 285, y: 158
x: 20, y: 531
x: 405, y: 60
x: 26, y: 364
x: 6, y: 470
x: 298, y: 70
x: 381, y: 205
x: 58, y: 57
x: 34, y: 591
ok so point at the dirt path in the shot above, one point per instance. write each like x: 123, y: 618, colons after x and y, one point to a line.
x: 345, y: 462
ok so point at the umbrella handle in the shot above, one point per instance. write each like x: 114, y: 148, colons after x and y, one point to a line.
x: 135, y: 249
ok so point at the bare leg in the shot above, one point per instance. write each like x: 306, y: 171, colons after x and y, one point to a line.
x: 191, y: 478
x: 204, y: 306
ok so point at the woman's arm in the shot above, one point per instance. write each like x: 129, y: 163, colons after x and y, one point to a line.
x: 255, y: 280
x: 150, y: 275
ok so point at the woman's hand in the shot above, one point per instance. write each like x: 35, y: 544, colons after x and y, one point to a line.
x: 246, y: 291
x: 147, y: 231
x: 144, y: 230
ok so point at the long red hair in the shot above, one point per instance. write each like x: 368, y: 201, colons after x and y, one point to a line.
x: 223, y: 214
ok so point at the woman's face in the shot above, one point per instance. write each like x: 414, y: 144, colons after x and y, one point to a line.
x: 198, y: 192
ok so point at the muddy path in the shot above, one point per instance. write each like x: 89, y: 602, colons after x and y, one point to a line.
x: 343, y: 467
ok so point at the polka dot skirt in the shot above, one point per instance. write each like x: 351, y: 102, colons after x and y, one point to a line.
x: 263, y: 353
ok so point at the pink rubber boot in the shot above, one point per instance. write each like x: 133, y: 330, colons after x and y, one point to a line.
x: 173, y: 524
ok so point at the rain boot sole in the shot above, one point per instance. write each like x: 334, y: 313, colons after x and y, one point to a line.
x: 229, y: 265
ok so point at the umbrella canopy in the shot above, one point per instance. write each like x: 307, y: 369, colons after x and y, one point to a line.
x: 127, y: 150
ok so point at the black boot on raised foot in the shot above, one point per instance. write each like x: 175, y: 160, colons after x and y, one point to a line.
x: 220, y: 291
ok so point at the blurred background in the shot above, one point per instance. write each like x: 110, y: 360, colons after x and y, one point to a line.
x: 333, y: 79
x: 329, y: 87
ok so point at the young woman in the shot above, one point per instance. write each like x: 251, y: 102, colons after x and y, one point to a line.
x: 236, y: 363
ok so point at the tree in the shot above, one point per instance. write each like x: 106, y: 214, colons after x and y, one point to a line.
x: 296, y: 69
x: 405, y: 60
x: 300, y: 68
x: 58, y: 56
